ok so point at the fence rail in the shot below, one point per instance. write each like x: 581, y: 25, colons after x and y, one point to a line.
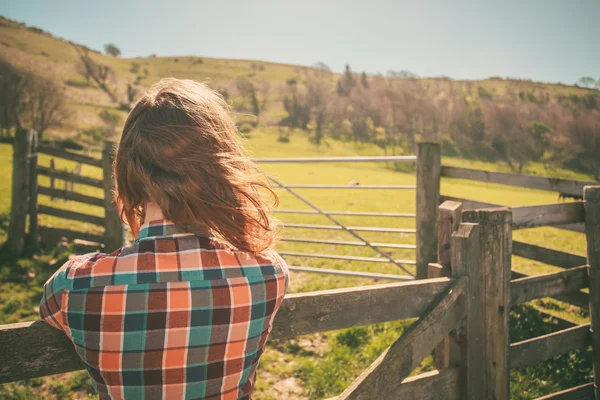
x: 347, y: 258
x: 564, y: 186
x: 351, y: 228
x: 57, y: 152
x: 543, y: 348
x: 371, y: 187
x: 34, y: 349
x: 344, y: 243
x: 69, y: 195
x: 67, y: 176
x: 352, y: 274
x: 347, y: 213
x: 75, y: 216
x: 549, y: 285
x: 311, y: 160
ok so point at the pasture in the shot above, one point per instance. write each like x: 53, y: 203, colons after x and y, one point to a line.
x: 321, y: 365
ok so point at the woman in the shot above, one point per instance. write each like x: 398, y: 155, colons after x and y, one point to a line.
x: 184, y: 311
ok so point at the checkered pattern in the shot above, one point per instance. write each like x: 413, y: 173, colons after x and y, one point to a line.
x: 173, y: 316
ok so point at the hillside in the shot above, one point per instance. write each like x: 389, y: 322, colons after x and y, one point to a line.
x: 42, y: 53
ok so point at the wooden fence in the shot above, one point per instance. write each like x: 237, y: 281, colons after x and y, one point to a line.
x: 465, y: 314
x: 26, y: 190
x: 462, y: 307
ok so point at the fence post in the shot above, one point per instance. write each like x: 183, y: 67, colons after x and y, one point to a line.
x: 591, y: 195
x: 495, y: 242
x: 449, y: 217
x: 428, y: 200
x: 466, y: 255
x: 113, y: 227
x: 20, y: 175
x: 33, y: 240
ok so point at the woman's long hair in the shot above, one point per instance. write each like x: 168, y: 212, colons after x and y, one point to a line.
x: 181, y: 150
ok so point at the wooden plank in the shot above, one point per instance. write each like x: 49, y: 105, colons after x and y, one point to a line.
x: 352, y: 274
x: 432, y: 385
x: 33, y: 238
x: 56, y: 152
x: 565, y: 186
x: 428, y: 199
x: 578, y: 298
x: 495, y: 267
x: 542, y: 348
x: 474, y: 204
x: 33, y: 349
x: 15, y: 243
x: 67, y: 176
x: 449, y: 217
x: 51, y: 236
x: 581, y: 392
x: 548, y: 285
x: 348, y: 258
x: 382, y: 379
x: 547, y: 256
x: 327, y: 310
x: 591, y: 197
x: 466, y: 259
x: 73, y: 196
x: 547, y: 215
x: 60, y: 213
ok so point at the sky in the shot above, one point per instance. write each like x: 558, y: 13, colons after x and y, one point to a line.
x: 543, y: 40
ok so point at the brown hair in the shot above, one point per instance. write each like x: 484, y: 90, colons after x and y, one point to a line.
x: 181, y: 150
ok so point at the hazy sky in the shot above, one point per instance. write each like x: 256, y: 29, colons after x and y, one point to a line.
x: 545, y: 40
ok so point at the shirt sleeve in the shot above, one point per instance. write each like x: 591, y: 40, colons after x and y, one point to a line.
x: 52, y: 298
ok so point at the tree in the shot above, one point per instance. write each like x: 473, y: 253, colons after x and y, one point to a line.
x: 112, y: 50
x: 364, y: 80
x: 46, y: 106
x: 99, y: 73
x: 578, y: 143
x: 256, y: 98
x: 14, y: 84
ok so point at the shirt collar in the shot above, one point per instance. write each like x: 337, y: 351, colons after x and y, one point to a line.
x: 160, y: 228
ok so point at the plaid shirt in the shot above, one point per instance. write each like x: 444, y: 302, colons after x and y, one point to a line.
x: 173, y: 316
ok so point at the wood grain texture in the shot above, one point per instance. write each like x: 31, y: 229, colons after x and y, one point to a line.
x: 73, y: 196
x: 495, y: 271
x: 532, y: 351
x: 474, y: 204
x: 581, y: 392
x: 327, y: 310
x: 34, y: 349
x: 19, y: 191
x: 547, y: 215
x: 449, y: 217
x: 548, y: 285
x: 67, y: 155
x: 565, y: 186
x: 548, y: 256
x: 67, y: 176
x: 382, y: 379
x: 466, y: 257
x: 76, y: 216
x: 591, y: 197
x: 428, y: 199
x: 33, y: 234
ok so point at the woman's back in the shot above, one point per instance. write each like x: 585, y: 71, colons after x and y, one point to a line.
x: 173, y: 316
x: 178, y: 314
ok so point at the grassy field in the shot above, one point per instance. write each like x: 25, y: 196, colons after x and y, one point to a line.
x: 321, y: 365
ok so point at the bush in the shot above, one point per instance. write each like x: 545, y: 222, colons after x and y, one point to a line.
x: 245, y: 128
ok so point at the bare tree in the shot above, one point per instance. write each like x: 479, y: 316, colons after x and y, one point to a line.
x: 14, y: 84
x: 46, y: 105
x: 256, y: 98
x: 99, y: 73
